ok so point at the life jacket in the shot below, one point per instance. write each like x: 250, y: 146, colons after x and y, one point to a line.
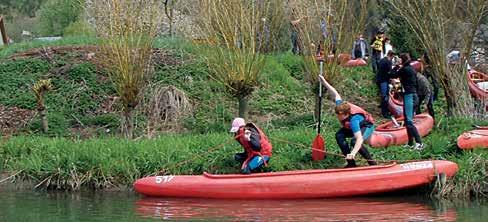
x: 266, y: 147
x: 378, y: 44
x: 346, y: 123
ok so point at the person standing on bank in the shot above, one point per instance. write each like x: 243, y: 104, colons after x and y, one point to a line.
x: 382, y: 80
x: 356, y: 123
x: 257, y: 148
x: 359, y: 48
x: 377, y: 49
x: 408, y: 78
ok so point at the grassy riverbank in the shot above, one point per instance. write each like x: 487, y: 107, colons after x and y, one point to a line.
x: 84, y: 150
x: 63, y: 163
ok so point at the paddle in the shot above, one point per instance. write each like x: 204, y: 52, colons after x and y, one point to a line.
x: 318, y: 146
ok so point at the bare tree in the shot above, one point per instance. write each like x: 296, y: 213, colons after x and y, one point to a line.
x: 128, y: 29
x: 442, y: 26
x: 326, y: 27
x: 239, y: 31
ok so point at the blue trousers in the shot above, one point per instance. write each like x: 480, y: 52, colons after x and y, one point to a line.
x: 409, y: 102
x: 383, y: 87
x: 255, y: 163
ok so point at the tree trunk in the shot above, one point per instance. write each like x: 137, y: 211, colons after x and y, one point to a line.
x: 128, y: 123
x: 459, y: 100
x: 44, y: 123
x: 243, y: 106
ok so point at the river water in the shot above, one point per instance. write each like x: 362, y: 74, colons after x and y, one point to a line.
x: 127, y: 206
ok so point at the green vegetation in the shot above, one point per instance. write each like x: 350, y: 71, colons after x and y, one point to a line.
x: 283, y: 107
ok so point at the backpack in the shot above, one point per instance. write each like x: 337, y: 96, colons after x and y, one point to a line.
x: 357, y: 46
x: 378, y: 44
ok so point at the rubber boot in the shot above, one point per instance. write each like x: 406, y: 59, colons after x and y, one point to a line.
x: 350, y: 164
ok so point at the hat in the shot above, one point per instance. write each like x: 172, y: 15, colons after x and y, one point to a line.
x: 238, y: 122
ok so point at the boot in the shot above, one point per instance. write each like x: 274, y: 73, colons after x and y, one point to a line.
x: 350, y: 164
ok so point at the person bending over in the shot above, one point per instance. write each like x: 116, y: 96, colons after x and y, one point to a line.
x: 356, y: 123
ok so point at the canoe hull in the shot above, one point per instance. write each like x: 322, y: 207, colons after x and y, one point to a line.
x: 386, y: 134
x: 298, y: 184
x: 473, y: 139
x: 355, y: 63
x: 395, y: 104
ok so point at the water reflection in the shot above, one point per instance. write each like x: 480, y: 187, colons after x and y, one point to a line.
x: 290, y: 210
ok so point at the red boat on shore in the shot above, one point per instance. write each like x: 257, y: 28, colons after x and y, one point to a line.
x: 478, y: 86
x: 477, y: 138
x: 355, y: 63
x: 388, y: 134
x: 298, y: 184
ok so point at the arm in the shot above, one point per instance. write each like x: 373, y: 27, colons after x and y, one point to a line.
x: 331, y: 89
x: 357, y: 146
x: 254, y: 139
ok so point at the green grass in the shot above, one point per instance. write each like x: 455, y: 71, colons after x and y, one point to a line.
x: 62, y: 163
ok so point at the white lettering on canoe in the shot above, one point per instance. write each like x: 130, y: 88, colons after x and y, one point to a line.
x: 164, y: 179
x: 417, y: 165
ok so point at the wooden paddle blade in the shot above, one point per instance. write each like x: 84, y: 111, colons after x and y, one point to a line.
x: 318, y: 148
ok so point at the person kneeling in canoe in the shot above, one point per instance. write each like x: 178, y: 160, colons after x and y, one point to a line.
x: 356, y: 123
x: 257, y: 148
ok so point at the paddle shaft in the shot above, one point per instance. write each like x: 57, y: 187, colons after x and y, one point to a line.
x: 320, y: 97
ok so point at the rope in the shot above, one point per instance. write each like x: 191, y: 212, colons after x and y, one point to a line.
x: 209, y: 150
x: 342, y: 156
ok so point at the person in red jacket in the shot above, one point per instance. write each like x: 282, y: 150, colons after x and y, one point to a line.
x: 356, y: 123
x: 257, y: 148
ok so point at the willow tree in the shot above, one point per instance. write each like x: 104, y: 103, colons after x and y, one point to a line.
x: 40, y: 89
x: 329, y: 26
x: 440, y: 27
x: 239, y: 31
x: 127, y: 30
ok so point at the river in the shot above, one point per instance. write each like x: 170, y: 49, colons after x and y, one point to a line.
x: 21, y: 205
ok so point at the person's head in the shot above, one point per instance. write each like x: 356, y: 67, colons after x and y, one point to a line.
x: 236, y: 124
x: 360, y: 35
x: 343, y: 111
x: 390, y: 54
x: 405, y: 58
x: 380, y: 33
x: 387, y: 40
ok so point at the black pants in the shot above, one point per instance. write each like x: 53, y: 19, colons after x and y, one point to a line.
x: 341, y: 136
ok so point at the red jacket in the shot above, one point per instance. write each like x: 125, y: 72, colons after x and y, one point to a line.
x: 266, y: 147
x: 356, y: 110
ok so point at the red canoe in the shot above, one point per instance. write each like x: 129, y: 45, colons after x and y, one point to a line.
x: 395, y: 104
x: 478, y: 85
x: 298, y: 184
x: 341, y: 59
x: 387, y: 134
x: 477, y: 138
x: 355, y: 63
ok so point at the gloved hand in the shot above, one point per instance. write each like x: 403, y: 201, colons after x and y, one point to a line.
x: 247, y: 134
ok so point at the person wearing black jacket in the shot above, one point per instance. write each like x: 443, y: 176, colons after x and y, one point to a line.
x: 408, y: 78
x: 382, y: 80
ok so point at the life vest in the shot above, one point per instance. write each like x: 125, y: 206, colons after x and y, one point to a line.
x: 346, y: 123
x: 266, y: 147
x: 378, y: 44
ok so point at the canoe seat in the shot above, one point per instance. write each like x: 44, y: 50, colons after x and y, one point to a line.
x: 483, y: 85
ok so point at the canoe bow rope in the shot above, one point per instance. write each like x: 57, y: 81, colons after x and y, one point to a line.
x: 342, y: 156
